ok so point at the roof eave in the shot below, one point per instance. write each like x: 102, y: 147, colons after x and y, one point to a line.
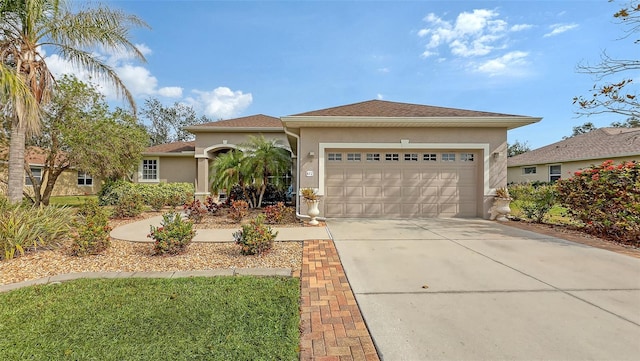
x: 169, y: 154
x: 565, y: 160
x: 509, y: 122
x: 210, y: 129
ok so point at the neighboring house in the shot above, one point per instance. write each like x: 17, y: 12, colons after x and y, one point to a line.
x: 375, y: 159
x: 564, y: 158
x: 70, y: 183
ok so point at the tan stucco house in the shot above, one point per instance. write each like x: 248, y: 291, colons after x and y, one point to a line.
x: 376, y: 159
x: 71, y: 182
x: 562, y: 159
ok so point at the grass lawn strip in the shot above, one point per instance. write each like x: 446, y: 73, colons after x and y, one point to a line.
x: 219, y: 318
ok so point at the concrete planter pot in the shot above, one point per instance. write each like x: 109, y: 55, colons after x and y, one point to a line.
x: 500, y: 209
x: 313, y: 211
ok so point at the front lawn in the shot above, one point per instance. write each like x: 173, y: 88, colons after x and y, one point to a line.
x: 219, y: 318
x: 70, y: 201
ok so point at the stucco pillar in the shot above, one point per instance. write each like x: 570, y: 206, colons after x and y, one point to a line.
x: 202, y: 180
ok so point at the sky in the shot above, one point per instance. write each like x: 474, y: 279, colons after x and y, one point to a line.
x: 230, y: 59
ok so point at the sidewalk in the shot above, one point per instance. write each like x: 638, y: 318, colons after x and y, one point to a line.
x: 138, y: 231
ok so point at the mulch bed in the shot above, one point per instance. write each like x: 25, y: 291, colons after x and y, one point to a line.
x: 574, y: 235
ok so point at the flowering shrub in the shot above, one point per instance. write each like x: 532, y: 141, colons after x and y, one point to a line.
x: 156, y: 201
x: 173, y: 236
x: 255, y: 237
x: 238, y: 210
x: 129, y: 205
x: 194, y: 210
x: 92, y: 230
x: 606, y: 198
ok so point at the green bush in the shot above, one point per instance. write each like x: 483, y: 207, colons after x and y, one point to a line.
x: 173, y: 194
x: 92, y: 230
x: 26, y: 227
x: 173, y: 236
x: 534, y: 201
x: 157, y: 201
x: 128, y: 206
x: 606, y: 198
x: 255, y: 237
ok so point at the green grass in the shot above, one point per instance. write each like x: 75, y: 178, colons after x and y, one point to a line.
x: 219, y: 318
x: 69, y: 201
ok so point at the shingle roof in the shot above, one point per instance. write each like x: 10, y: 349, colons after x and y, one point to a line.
x: 175, y: 147
x: 596, y: 144
x: 383, y: 108
x: 252, y: 121
x: 33, y: 155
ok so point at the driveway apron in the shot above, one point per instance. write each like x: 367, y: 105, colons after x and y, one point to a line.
x: 477, y: 290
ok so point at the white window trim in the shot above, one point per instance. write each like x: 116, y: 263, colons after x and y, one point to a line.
x: 484, y: 147
x: 86, y: 176
x: 140, y: 179
x: 558, y: 174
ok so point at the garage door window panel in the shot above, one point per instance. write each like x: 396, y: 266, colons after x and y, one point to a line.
x: 392, y: 157
x: 430, y: 157
x: 334, y: 157
x: 411, y: 157
x: 354, y: 157
x: 448, y: 157
x: 373, y: 157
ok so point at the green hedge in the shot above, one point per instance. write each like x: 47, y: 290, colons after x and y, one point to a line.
x: 175, y: 194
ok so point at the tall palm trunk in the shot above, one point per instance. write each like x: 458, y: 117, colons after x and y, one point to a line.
x: 16, y: 162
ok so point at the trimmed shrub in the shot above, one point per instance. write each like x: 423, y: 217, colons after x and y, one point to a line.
x: 606, y: 198
x: 255, y: 237
x: 128, y: 206
x: 275, y: 214
x: 173, y: 236
x: 157, y: 201
x: 238, y: 210
x: 28, y: 227
x: 174, y: 194
x: 92, y: 230
x: 534, y: 201
x: 194, y: 210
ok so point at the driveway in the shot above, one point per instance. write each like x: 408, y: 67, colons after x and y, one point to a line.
x: 478, y: 290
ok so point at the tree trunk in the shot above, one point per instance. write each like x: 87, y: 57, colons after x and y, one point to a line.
x: 16, y: 162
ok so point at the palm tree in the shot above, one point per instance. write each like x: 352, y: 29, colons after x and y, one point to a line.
x: 227, y: 171
x: 267, y: 161
x: 27, y: 28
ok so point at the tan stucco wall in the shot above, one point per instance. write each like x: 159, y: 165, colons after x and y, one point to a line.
x: 495, y: 138
x: 515, y: 174
x: 207, y: 140
x: 173, y: 169
x: 66, y: 185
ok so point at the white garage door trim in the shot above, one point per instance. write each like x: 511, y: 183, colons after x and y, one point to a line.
x: 404, y: 144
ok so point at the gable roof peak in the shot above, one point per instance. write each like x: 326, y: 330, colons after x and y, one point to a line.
x: 388, y: 109
x: 250, y: 121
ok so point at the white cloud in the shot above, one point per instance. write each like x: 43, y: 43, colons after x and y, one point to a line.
x: 520, y: 27
x: 559, y: 29
x: 138, y: 79
x: 508, y: 63
x: 220, y: 103
x: 170, y: 92
x: 380, y: 96
x: 473, y: 33
x: 383, y: 70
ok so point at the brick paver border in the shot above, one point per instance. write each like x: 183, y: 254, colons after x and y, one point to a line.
x: 331, y: 324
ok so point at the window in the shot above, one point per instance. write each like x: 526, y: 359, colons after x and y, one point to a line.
x: 354, y: 157
x: 448, y: 157
x: 37, y: 174
x: 411, y: 157
x: 84, y: 179
x: 392, y: 157
x: 149, y: 169
x: 555, y: 172
x: 429, y: 157
x: 334, y: 157
x: 467, y: 157
x: 373, y: 157
x: 529, y: 170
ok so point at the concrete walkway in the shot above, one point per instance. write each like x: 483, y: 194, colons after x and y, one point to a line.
x: 460, y: 289
x: 138, y: 231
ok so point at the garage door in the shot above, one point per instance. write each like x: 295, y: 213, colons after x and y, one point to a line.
x: 399, y: 184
